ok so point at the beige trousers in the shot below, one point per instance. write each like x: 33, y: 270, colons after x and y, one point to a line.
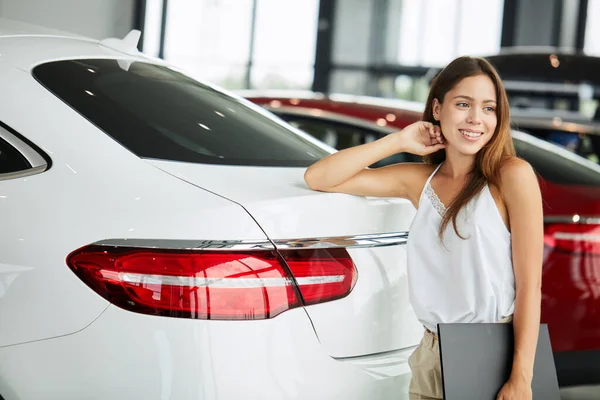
x: 426, y: 381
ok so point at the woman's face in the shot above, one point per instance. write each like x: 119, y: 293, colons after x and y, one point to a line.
x: 468, y: 114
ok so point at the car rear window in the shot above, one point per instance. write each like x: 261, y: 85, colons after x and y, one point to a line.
x: 554, y: 163
x: 157, y: 112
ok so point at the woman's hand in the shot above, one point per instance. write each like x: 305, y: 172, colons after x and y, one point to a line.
x: 421, y: 138
x: 515, y: 389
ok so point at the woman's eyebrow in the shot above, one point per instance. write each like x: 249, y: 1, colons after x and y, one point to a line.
x: 472, y: 99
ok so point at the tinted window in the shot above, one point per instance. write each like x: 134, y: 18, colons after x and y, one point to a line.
x: 10, y: 159
x: 587, y: 146
x: 557, y: 165
x: 342, y: 136
x: 156, y: 112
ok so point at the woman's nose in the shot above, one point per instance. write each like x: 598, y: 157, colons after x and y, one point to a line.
x: 474, y: 116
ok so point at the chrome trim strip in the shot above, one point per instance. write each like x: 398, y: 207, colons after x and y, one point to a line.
x: 189, y: 244
x: 383, y: 365
x: 572, y: 219
x: 24, y: 173
x: 30, y: 154
x: 359, y: 241
x: 37, y: 162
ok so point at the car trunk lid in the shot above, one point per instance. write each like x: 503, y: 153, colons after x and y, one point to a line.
x: 376, y: 316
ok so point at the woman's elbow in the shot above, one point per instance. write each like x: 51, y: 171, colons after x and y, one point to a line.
x: 309, y: 178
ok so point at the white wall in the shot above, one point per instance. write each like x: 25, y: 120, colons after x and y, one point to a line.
x: 93, y: 18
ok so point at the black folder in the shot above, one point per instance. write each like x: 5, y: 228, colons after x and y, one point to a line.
x: 477, y: 360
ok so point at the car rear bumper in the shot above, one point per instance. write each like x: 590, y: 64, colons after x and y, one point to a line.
x: 124, y: 355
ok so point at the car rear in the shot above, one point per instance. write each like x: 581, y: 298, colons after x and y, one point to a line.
x: 227, y: 277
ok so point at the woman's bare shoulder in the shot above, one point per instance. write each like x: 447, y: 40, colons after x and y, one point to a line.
x: 517, y: 175
x: 515, y: 167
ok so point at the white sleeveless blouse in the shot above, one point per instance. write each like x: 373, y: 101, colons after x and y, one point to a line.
x: 460, y: 281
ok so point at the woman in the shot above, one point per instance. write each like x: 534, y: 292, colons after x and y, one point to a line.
x: 476, y: 243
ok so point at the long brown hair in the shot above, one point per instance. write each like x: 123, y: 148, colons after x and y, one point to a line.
x: 489, y: 159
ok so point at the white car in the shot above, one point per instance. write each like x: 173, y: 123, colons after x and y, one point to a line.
x: 158, y: 241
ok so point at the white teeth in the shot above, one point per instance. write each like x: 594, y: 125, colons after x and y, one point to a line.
x: 471, y: 134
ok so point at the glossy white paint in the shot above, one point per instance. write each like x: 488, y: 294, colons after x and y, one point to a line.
x: 124, y: 356
x: 60, y: 340
x: 286, y: 208
x: 378, y: 311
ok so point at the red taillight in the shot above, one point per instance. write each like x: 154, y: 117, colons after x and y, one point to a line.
x: 224, y: 285
x: 573, y: 238
x: 321, y: 275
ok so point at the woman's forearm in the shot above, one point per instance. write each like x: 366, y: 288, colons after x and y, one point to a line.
x: 343, y: 165
x: 526, y: 325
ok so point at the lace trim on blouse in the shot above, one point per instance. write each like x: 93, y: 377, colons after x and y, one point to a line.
x: 435, y: 200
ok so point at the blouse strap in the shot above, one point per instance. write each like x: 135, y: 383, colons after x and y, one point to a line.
x: 433, y: 173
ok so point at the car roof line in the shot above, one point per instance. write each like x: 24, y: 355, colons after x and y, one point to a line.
x: 316, y: 113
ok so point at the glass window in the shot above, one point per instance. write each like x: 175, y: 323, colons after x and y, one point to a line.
x: 342, y: 136
x: 479, y: 27
x: 587, y: 146
x: 555, y: 164
x: 152, y: 27
x: 591, y: 44
x: 11, y: 160
x: 210, y: 39
x: 350, y: 82
x: 282, y: 77
x: 159, y: 113
x: 284, y: 44
x: 351, y: 36
x: 450, y: 28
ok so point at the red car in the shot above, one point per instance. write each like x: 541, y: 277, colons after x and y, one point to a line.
x: 571, y: 193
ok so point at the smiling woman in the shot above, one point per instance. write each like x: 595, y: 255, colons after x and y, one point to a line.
x: 475, y: 245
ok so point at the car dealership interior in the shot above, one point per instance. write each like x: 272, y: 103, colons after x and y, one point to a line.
x: 226, y: 103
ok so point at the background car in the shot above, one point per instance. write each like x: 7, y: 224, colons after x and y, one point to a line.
x: 571, y: 196
x: 570, y: 130
x: 158, y: 240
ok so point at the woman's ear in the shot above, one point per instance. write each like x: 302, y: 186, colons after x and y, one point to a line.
x: 436, y: 107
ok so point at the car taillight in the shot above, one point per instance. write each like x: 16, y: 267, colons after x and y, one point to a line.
x: 223, y: 285
x: 573, y: 238
x: 321, y: 275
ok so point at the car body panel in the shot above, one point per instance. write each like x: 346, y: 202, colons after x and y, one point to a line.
x: 124, y: 356
x: 377, y: 311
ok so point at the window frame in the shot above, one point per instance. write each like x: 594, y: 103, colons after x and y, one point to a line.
x: 37, y: 162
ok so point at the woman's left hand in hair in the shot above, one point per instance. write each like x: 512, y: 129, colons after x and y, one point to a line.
x: 515, y: 389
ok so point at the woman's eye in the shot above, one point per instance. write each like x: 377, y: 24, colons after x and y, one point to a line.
x: 490, y: 109
x: 462, y: 105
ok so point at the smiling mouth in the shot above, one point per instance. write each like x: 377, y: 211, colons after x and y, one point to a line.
x: 471, y: 134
